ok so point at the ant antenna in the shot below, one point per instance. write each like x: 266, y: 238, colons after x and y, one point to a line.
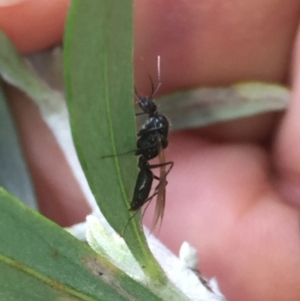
x: 152, y: 86
x: 153, y: 92
x: 158, y: 76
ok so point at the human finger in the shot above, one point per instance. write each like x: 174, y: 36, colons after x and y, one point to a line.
x: 220, y: 198
x: 287, y: 142
x: 208, y: 42
x: 33, y: 25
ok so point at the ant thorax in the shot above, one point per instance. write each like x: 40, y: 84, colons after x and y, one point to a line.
x: 147, y: 145
x: 157, y: 123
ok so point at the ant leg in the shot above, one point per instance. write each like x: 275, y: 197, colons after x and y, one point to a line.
x: 131, y: 151
x: 171, y: 163
x: 135, y: 213
x: 140, y: 113
x: 148, y: 201
x: 156, y: 177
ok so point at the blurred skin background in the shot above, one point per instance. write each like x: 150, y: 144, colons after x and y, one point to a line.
x: 234, y: 192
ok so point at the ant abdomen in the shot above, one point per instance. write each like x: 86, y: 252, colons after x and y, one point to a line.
x: 142, y: 186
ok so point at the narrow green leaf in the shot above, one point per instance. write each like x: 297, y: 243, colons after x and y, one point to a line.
x: 204, y: 106
x: 18, y: 72
x: 41, y: 261
x: 14, y: 175
x: 99, y: 83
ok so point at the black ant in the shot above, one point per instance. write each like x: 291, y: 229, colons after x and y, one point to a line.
x: 153, y: 139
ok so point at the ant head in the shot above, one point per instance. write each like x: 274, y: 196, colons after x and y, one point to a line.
x: 147, y: 104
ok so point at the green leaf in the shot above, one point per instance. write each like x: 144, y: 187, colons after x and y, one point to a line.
x: 41, y: 261
x: 99, y: 83
x: 14, y: 175
x: 19, y: 73
x: 204, y: 106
